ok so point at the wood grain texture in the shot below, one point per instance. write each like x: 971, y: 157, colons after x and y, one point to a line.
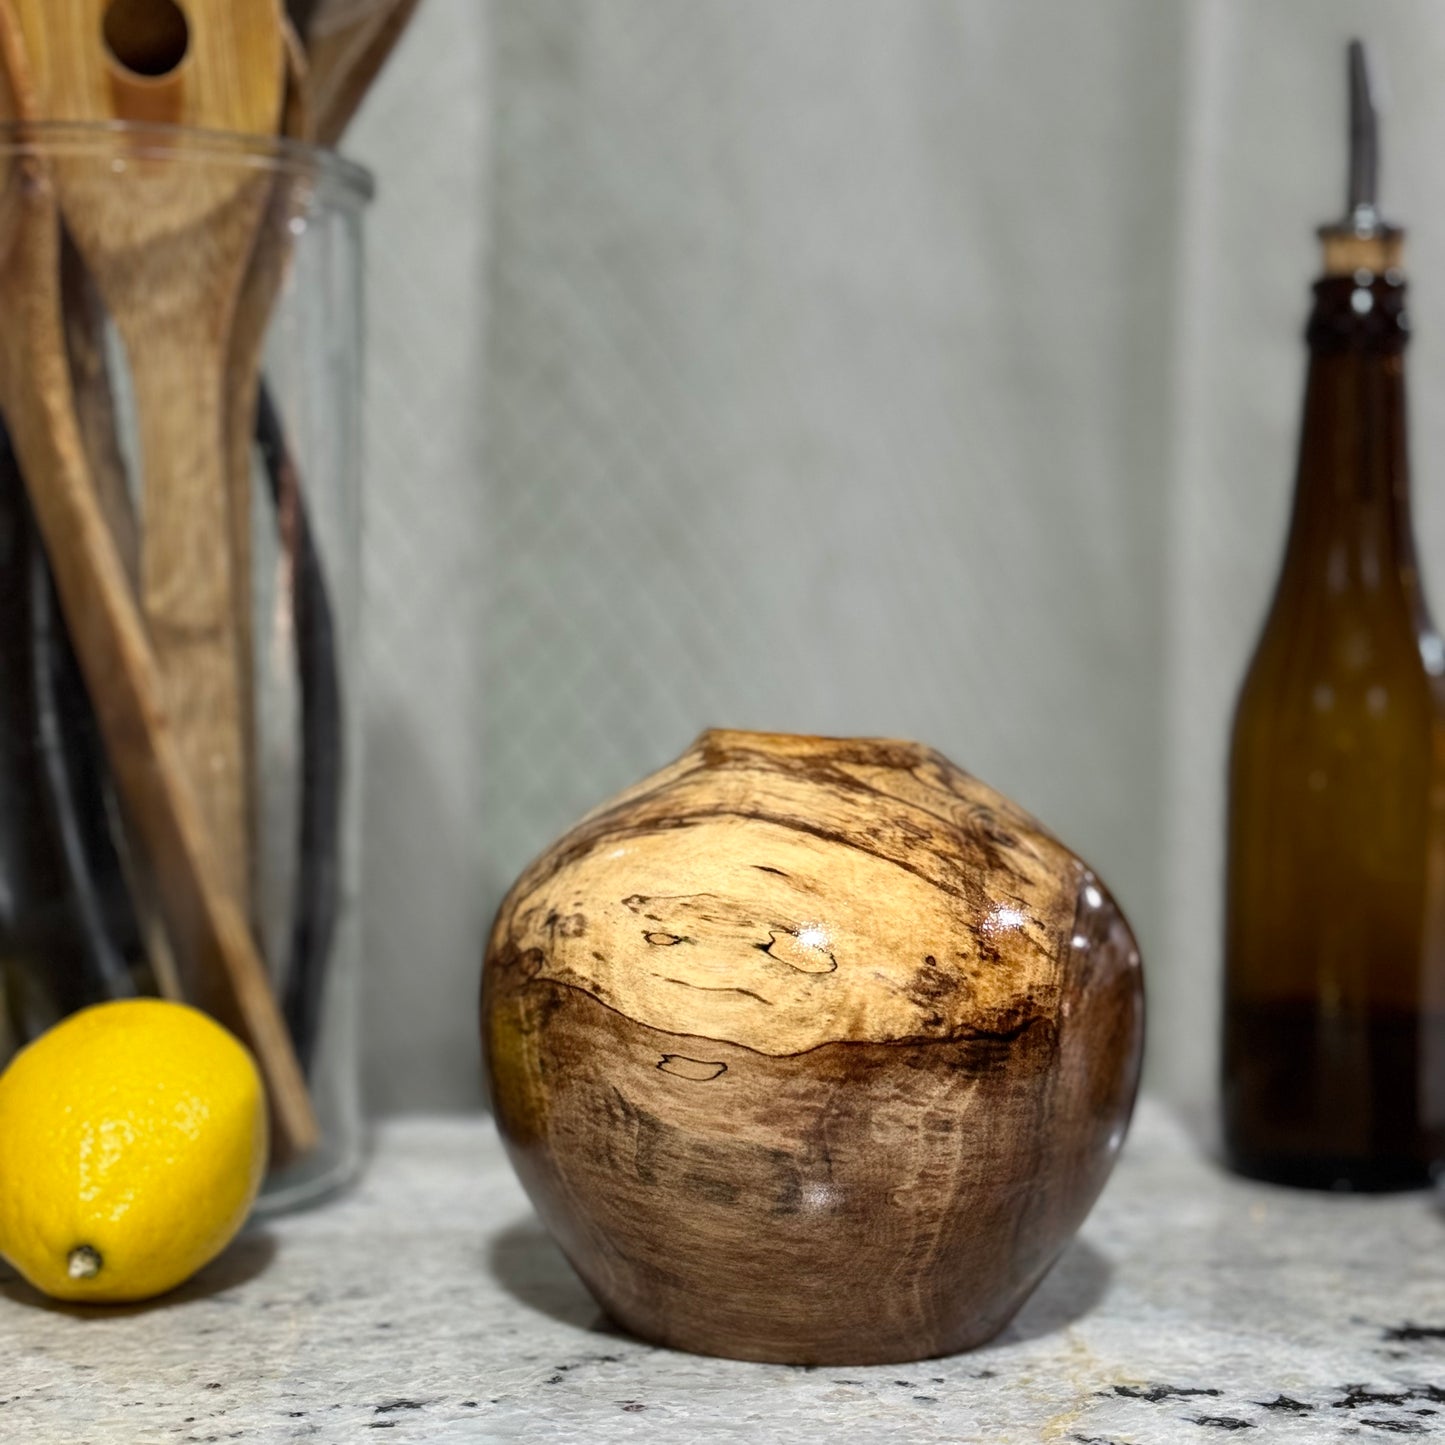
x: 348, y: 45
x: 37, y: 398
x: 811, y: 1050
x: 168, y: 248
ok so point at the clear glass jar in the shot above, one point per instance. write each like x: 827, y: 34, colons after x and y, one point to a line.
x: 209, y: 293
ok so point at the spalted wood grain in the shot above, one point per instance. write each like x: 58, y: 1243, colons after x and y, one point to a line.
x: 811, y: 1050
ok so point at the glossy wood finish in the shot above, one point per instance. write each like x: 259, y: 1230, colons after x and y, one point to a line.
x: 811, y: 1050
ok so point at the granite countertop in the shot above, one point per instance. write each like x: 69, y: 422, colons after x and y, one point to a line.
x: 428, y: 1304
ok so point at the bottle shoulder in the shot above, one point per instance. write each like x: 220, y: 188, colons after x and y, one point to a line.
x: 1382, y: 672
x: 1349, y: 633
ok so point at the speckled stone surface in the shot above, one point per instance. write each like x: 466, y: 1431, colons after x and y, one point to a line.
x: 429, y: 1305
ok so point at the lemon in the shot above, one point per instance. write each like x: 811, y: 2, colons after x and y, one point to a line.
x: 132, y: 1143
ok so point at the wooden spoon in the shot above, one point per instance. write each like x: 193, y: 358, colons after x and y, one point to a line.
x: 168, y: 249
x: 105, y: 625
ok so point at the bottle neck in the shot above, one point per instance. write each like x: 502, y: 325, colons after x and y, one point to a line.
x: 1351, y: 526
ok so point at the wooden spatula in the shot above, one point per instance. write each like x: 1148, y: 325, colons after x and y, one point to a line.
x: 348, y: 42
x: 168, y: 249
x: 106, y: 627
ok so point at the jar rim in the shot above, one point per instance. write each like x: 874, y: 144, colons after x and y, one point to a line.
x: 338, y: 181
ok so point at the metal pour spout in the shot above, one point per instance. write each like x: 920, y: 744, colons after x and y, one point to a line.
x: 1360, y: 207
x: 1363, y: 239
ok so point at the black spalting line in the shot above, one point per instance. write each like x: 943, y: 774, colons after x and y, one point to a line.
x: 764, y: 868
x: 636, y: 902
x: 388, y: 1406
x: 925, y: 765
x: 664, y: 1065
x: 963, y: 1035
x: 768, y: 949
x: 708, y: 988
x: 1222, y: 1422
x: 597, y: 836
x: 603, y: 826
x: 659, y: 939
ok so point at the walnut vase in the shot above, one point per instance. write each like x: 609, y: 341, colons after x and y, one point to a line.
x: 811, y: 1050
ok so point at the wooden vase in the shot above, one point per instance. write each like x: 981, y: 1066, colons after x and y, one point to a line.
x: 811, y: 1050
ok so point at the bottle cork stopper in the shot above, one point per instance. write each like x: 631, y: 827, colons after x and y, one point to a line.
x: 1347, y: 251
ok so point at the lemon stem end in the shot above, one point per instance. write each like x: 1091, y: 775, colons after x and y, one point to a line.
x: 83, y: 1262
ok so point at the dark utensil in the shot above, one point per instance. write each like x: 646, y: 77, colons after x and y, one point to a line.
x: 75, y: 785
x: 322, y: 742
x: 64, y: 932
x: 69, y: 899
x: 302, y: 13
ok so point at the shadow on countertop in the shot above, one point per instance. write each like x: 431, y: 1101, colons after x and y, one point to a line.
x: 529, y: 1266
x: 1073, y: 1288
x: 248, y: 1257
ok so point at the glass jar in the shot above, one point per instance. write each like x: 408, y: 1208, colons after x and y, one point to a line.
x: 179, y: 649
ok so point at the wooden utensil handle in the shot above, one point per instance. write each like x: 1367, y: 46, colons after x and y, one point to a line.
x: 187, y: 576
x: 345, y: 64
x: 204, y: 921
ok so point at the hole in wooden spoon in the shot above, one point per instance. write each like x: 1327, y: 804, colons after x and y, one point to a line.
x: 147, y: 37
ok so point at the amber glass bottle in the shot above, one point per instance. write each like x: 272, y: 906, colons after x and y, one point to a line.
x: 1334, y: 1027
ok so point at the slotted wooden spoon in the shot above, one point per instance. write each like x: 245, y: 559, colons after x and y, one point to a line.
x: 168, y: 249
x: 106, y: 628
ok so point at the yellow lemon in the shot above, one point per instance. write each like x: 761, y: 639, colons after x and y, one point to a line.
x: 132, y: 1143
